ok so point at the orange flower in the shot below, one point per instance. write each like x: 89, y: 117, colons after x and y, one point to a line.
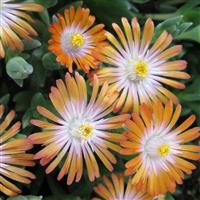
x: 13, y: 156
x: 73, y: 39
x: 13, y: 24
x: 159, y: 149
x: 115, y: 190
x: 79, y: 131
x: 138, y: 68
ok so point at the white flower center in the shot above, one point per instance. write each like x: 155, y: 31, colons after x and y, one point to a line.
x: 80, y: 129
x: 72, y: 43
x: 137, y: 70
x: 157, y: 146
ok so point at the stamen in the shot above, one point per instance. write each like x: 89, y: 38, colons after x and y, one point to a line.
x: 77, y: 40
x: 164, y: 150
x: 141, y: 68
x: 85, y: 130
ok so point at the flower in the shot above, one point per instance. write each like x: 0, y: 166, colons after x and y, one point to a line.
x: 73, y: 39
x: 14, y: 24
x: 138, y: 68
x: 114, y: 189
x: 160, y: 150
x: 13, y: 156
x: 79, y: 131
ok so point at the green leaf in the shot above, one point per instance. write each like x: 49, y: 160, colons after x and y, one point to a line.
x: 42, y: 30
x: 31, y: 44
x: 47, y: 3
x: 193, y: 34
x: 27, y: 117
x: 45, y: 17
x: 76, y: 4
x: 62, y: 197
x: 192, y: 15
x: 188, y: 5
x: 175, y: 26
x: 190, y: 98
x: 49, y: 61
x: 38, y: 99
x: 39, y: 52
x: 168, y: 196
x: 112, y: 10
x: 5, y: 99
x: 10, y: 54
x: 40, y: 75
x: 196, y: 109
x: 29, y: 197
x: 31, y: 112
x: 167, y: 8
x: 192, y: 92
x: 17, y: 68
x: 22, y: 100
x: 140, y: 1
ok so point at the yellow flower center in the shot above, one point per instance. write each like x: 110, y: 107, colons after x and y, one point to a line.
x: 141, y: 68
x: 85, y: 130
x: 77, y: 40
x: 164, y: 150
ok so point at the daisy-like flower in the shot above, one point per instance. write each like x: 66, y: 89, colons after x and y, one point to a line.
x: 160, y: 149
x: 13, y: 156
x: 115, y: 189
x: 138, y: 68
x: 74, y: 40
x: 79, y: 131
x: 14, y: 24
